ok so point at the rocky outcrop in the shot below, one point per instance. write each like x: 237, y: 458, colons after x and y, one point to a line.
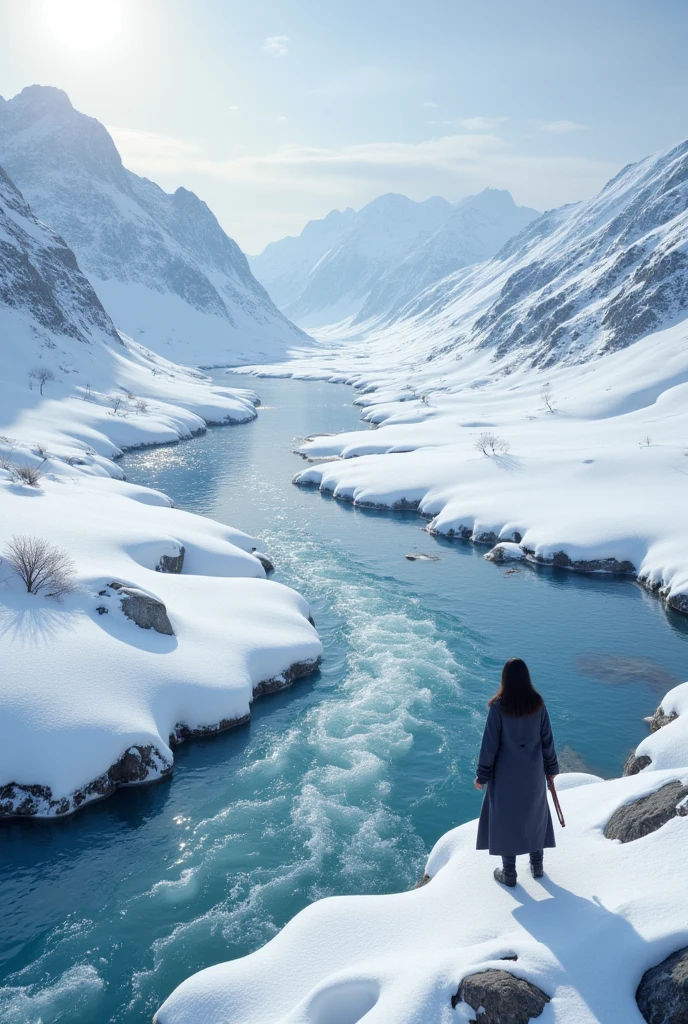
x: 498, y: 997
x: 422, y: 557
x: 636, y: 762
x: 562, y: 561
x: 505, y: 551
x: 646, y: 815
x: 422, y: 881
x: 296, y: 671
x: 136, y: 765
x: 172, y: 563
x: 660, y: 719
x: 143, y: 609
x: 263, y: 559
x: 662, y: 994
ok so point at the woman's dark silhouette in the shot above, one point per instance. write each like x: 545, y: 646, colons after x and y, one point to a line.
x: 517, y: 757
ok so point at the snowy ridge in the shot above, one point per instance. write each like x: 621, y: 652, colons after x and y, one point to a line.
x: 161, y: 264
x: 89, y: 699
x: 402, y: 957
x: 366, y: 266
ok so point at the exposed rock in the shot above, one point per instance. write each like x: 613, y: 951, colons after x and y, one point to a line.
x: 660, y: 719
x: 662, y: 994
x: 505, y: 551
x: 497, y: 997
x: 136, y: 765
x: 421, y: 882
x: 646, y: 815
x: 172, y: 563
x: 562, y: 561
x: 296, y: 671
x: 403, y: 505
x: 263, y: 559
x: 486, y: 537
x: 422, y: 557
x: 143, y: 609
x: 635, y: 763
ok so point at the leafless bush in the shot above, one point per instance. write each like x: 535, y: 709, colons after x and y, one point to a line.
x: 141, y: 406
x: 43, y: 376
x: 116, y: 403
x: 41, y: 566
x: 30, y: 475
x: 42, y: 451
x: 490, y: 444
x: 645, y: 442
x: 547, y: 395
x: 88, y: 393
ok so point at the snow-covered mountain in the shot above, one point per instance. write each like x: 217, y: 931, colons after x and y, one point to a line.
x: 580, y: 281
x: 161, y: 265
x: 367, y: 265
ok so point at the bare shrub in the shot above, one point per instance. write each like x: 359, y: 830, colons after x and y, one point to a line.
x: 42, y: 451
x: 491, y: 444
x: 116, y: 403
x: 43, y: 376
x: 547, y: 395
x: 30, y: 475
x: 141, y: 406
x: 88, y: 393
x: 41, y: 565
x: 645, y: 442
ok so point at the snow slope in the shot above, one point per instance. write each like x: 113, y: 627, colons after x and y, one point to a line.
x: 366, y: 266
x: 161, y: 264
x: 604, y: 913
x: 90, y: 700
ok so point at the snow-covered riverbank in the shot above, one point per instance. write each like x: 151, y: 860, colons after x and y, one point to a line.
x: 610, y: 908
x: 168, y: 627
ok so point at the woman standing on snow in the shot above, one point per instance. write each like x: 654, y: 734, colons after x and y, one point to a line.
x: 517, y: 759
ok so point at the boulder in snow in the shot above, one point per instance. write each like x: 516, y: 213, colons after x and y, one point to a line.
x: 662, y: 994
x: 646, y: 815
x: 172, y: 563
x: 635, y: 763
x: 143, y: 609
x: 498, y: 997
x: 263, y: 559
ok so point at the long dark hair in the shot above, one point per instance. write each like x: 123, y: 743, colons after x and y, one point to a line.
x: 517, y: 696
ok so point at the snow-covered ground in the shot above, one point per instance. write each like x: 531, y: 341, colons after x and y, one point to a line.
x: 89, y: 697
x: 605, y: 912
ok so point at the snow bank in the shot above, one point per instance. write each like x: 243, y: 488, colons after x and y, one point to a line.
x: 585, y: 934
x: 598, y: 483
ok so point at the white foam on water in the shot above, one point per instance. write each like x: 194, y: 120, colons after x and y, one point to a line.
x: 77, y: 991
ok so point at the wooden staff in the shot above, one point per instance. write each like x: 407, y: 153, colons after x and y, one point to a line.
x: 557, y: 805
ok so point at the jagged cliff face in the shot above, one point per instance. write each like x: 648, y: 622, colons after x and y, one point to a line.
x: 366, y: 265
x: 40, y: 281
x: 581, y: 280
x: 165, y: 270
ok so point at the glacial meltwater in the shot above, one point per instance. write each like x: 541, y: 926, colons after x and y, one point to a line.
x: 341, y: 784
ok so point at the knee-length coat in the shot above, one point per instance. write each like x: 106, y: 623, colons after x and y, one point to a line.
x: 515, y: 757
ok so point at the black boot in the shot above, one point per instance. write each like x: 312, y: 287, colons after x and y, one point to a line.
x: 505, y: 878
x: 536, y: 868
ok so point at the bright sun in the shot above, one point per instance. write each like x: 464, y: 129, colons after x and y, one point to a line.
x: 83, y: 24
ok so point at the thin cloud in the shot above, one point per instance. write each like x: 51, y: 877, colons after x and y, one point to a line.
x: 431, y: 105
x: 480, y: 124
x: 277, y: 46
x: 563, y: 127
x: 454, y: 164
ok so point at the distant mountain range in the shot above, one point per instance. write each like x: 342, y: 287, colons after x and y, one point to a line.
x: 161, y: 265
x: 367, y: 265
x: 581, y: 280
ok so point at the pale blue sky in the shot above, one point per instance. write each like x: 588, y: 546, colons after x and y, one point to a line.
x: 276, y: 111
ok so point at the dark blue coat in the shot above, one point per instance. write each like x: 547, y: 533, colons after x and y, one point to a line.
x: 515, y: 757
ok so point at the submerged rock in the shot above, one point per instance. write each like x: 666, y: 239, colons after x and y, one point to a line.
x: 646, y: 815
x: 498, y: 997
x: 143, y: 609
x: 422, y: 557
x: 662, y: 994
